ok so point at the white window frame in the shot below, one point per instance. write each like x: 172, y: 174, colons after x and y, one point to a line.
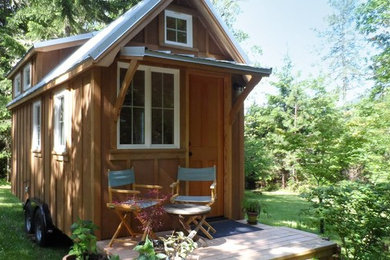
x: 18, y: 84
x: 148, y: 108
x: 37, y: 126
x: 25, y: 76
x: 64, y: 94
x: 177, y: 15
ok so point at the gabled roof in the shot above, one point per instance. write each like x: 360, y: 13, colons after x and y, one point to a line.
x: 97, y: 46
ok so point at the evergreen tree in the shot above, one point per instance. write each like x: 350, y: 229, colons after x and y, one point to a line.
x: 374, y: 22
x: 346, y: 59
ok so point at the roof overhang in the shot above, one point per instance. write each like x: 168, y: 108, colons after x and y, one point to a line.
x: 234, y: 67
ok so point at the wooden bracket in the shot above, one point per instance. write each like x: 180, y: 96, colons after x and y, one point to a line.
x: 124, y: 87
x: 252, y: 82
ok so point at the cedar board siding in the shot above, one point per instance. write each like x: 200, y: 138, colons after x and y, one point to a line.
x: 204, y: 45
x: 64, y: 182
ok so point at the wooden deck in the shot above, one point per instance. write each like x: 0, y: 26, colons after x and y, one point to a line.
x: 269, y: 243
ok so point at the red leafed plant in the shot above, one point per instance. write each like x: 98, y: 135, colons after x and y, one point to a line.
x: 153, y: 215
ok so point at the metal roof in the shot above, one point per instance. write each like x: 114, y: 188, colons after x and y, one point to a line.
x: 143, y: 52
x: 99, y: 43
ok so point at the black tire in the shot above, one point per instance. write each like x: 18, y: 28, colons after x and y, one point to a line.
x: 28, y: 220
x: 40, y: 228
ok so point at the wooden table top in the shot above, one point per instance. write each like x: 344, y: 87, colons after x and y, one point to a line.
x: 186, y: 209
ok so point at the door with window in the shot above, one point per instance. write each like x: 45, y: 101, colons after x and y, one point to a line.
x: 206, y: 132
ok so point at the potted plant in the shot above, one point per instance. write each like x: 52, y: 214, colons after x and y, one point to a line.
x: 178, y: 246
x: 84, y: 242
x: 147, y: 251
x: 252, y: 208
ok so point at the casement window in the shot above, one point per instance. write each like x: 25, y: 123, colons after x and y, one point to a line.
x: 27, y: 76
x: 62, y: 110
x: 149, y: 116
x: 17, y: 85
x: 178, y: 28
x: 37, y: 122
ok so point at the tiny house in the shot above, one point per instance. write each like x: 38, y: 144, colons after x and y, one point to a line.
x: 161, y: 86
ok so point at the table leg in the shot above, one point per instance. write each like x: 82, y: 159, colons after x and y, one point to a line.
x: 199, y: 226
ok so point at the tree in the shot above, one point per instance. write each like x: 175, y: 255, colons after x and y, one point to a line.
x: 10, y: 49
x: 229, y: 9
x: 45, y: 19
x: 346, y: 64
x: 374, y: 21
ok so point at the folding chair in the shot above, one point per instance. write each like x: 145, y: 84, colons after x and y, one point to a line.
x: 196, y: 174
x: 117, y: 183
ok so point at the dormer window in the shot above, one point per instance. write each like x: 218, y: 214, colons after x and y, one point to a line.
x: 178, y: 28
x: 17, y: 85
x: 27, y: 76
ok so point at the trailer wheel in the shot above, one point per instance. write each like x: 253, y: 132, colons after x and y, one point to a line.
x: 40, y: 228
x: 28, y: 220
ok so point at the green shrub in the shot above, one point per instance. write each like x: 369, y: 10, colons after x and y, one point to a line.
x: 359, y: 213
x: 84, y: 240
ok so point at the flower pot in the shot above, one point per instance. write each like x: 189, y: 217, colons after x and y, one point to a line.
x: 252, y: 217
x: 91, y: 257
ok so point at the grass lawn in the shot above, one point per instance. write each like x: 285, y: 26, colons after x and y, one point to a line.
x: 284, y: 209
x: 14, y: 242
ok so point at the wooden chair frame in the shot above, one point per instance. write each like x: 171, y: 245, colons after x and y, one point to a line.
x: 124, y: 211
x: 213, y: 195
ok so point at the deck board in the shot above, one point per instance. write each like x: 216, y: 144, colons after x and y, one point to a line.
x: 279, y: 243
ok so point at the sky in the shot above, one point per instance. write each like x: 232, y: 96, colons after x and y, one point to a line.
x: 283, y: 27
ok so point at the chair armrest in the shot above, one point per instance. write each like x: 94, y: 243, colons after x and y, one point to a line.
x: 146, y: 186
x: 125, y: 191
x: 174, y: 184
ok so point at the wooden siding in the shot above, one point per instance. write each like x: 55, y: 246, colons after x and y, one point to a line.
x: 68, y: 182
x: 204, y: 45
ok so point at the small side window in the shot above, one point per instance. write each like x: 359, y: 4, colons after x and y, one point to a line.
x: 178, y: 28
x: 62, y: 119
x: 17, y: 85
x: 36, y: 135
x: 27, y: 76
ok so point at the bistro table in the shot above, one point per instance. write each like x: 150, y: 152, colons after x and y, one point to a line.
x: 124, y: 210
x: 186, y: 213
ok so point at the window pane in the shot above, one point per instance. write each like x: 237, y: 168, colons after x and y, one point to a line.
x: 138, y: 126
x: 61, y: 120
x: 182, y: 37
x: 157, y: 89
x: 181, y: 25
x: 125, y: 125
x: 168, y: 126
x: 171, y: 35
x: 171, y: 22
x: 138, y: 85
x: 157, y: 130
x: 168, y: 91
x: 38, y: 125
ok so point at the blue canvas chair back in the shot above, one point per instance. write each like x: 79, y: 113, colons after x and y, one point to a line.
x: 121, y: 178
x: 196, y: 174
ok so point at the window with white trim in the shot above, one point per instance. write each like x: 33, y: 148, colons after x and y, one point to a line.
x: 36, y: 134
x: 17, y: 85
x: 178, y: 28
x: 62, y: 109
x: 149, y: 116
x: 27, y: 76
